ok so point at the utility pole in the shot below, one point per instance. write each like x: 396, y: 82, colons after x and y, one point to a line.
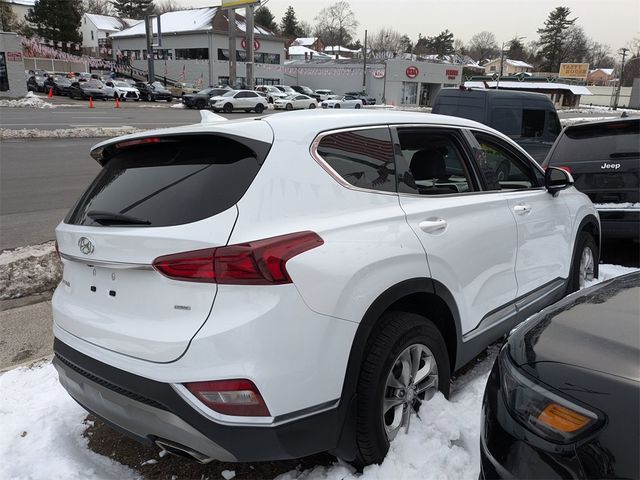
x: 501, y: 64
x: 148, y: 25
x: 615, y: 101
x: 231, y: 16
x: 249, y: 39
x: 364, y: 69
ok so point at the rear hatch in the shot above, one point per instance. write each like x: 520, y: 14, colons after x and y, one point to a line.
x: 155, y: 196
x: 604, y: 159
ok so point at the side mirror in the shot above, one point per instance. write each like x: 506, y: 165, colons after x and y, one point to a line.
x: 556, y: 179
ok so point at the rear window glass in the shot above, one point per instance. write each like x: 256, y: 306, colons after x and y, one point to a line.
x: 173, y: 182
x: 601, y: 141
x: 363, y: 158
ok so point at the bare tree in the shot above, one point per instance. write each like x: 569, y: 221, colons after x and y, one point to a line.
x: 460, y: 47
x: 306, y: 30
x: 336, y: 23
x: 483, y: 46
x: 99, y: 7
x: 385, y: 43
x: 599, y: 55
x: 165, y: 6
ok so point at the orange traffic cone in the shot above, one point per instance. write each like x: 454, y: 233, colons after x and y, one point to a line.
x: 50, y: 94
x: 90, y: 102
x: 117, y: 102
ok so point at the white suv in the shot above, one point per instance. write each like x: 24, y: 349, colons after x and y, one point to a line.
x: 246, y: 100
x: 269, y: 288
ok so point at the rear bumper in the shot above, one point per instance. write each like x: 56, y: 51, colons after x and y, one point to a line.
x: 620, y: 223
x: 147, y: 410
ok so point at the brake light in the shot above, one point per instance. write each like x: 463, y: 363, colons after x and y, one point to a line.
x: 231, y: 397
x: 260, y: 262
x: 139, y: 141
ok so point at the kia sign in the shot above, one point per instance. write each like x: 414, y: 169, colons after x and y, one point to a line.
x: 412, y: 72
x: 256, y: 44
x: 378, y: 74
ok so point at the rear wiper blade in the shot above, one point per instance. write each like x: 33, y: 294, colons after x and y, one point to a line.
x: 625, y: 155
x: 111, y: 218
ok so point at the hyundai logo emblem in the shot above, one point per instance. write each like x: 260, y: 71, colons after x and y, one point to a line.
x: 85, y: 245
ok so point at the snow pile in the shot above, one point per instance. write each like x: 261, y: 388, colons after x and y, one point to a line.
x: 178, y: 105
x: 607, y: 272
x: 31, y: 100
x: 617, y: 206
x: 565, y: 122
x: 442, y: 444
x: 84, y: 132
x: 42, y: 431
x: 29, y: 270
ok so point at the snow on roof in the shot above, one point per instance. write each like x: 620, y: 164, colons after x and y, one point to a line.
x: 111, y: 24
x: 606, y: 71
x: 175, y: 22
x: 338, y: 48
x: 301, y: 50
x: 242, y: 26
x: 304, y: 41
x: 518, y: 63
x: 26, y: 3
x: 575, y: 89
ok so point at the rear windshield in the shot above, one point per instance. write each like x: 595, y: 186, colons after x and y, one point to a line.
x: 176, y: 181
x: 599, y: 141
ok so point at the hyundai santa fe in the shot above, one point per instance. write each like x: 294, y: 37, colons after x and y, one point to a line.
x: 273, y: 287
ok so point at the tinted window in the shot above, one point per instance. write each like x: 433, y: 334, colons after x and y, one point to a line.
x: 434, y: 161
x: 363, y: 158
x: 598, y: 141
x: 172, y: 182
x: 502, y: 168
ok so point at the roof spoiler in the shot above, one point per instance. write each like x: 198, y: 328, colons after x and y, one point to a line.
x: 209, y: 117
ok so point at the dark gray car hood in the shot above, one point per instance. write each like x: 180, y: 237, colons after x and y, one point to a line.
x: 596, y: 329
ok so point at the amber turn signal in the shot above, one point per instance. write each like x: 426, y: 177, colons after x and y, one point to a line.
x: 562, y: 419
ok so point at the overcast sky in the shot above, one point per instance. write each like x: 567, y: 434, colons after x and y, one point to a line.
x: 613, y: 22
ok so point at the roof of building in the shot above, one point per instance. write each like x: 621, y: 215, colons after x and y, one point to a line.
x: 26, y: 3
x: 301, y: 50
x: 575, y: 89
x: 338, y: 48
x: 606, y: 71
x: 111, y: 24
x: 304, y: 41
x: 198, y: 19
x: 513, y: 63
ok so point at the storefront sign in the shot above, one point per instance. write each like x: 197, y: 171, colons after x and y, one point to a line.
x: 14, y: 56
x: 378, y: 74
x: 256, y: 44
x: 574, y: 70
x: 412, y: 72
x: 451, y: 74
x: 238, y: 3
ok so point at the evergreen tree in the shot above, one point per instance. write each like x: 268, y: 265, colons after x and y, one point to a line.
x: 135, y: 9
x: 265, y: 18
x: 289, y: 24
x: 552, y: 38
x: 8, y: 20
x: 56, y: 20
x: 516, y: 50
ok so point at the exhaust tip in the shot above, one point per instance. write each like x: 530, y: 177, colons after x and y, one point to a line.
x: 181, y: 451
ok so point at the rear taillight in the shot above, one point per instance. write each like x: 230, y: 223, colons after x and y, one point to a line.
x: 260, y: 262
x: 230, y: 397
x: 138, y: 141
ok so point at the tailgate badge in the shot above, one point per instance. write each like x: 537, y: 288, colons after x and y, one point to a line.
x: 85, y: 245
x: 614, y: 166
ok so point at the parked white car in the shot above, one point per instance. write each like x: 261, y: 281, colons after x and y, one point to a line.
x: 246, y: 100
x: 347, y: 101
x: 121, y: 89
x: 271, y: 288
x: 326, y: 94
x: 271, y: 92
x: 295, y: 102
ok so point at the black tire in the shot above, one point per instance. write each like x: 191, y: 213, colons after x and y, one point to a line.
x: 396, y: 332
x: 200, y: 105
x: 289, y: 106
x: 585, y: 240
x: 358, y: 105
x: 312, y: 106
x: 259, y: 108
x: 270, y: 99
x: 169, y: 100
x: 228, y: 108
x: 337, y: 105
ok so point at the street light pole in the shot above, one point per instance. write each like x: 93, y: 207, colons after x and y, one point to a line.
x: 502, y: 57
x: 617, y: 98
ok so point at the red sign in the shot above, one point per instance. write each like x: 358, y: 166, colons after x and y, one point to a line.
x: 412, y: 72
x: 256, y: 44
x: 14, y: 56
x: 451, y: 74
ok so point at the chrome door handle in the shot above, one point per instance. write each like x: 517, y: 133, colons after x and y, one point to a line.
x: 431, y: 226
x: 522, y: 209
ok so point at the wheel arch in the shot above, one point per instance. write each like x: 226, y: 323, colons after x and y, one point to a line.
x: 591, y: 225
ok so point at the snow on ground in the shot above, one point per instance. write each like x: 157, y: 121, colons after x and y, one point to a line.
x: 617, y: 206
x: 84, y: 132
x: 608, y: 271
x: 29, y: 270
x: 31, y: 100
x: 178, y: 105
x: 42, y: 431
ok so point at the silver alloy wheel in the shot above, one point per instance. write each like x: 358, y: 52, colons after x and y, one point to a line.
x: 413, y: 378
x: 587, y: 267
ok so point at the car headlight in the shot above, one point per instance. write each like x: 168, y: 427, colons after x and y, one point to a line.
x: 545, y: 413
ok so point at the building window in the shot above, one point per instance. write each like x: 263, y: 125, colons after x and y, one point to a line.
x: 268, y: 81
x: 159, y: 54
x: 192, y: 53
x: 492, y: 68
x: 240, y: 81
x: 4, y: 75
x: 92, y: 35
x: 241, y: 56
x: 409, y: 93
x: 131, y: 54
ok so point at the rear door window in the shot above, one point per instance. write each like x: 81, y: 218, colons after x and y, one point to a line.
x: 362, y: 158
x: 176, y: 181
